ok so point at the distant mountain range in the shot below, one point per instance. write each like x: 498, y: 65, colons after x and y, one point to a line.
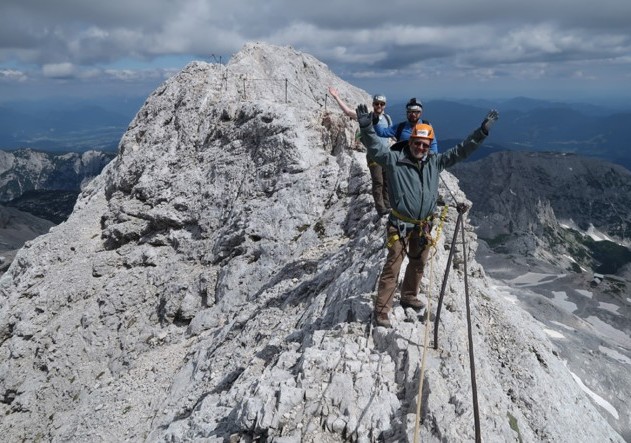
x: 70, y: 126
x: 39, y: 190
x: 525, y: 125
x: 52, y: 205
x: 551, y: 205
x: 26, y: 170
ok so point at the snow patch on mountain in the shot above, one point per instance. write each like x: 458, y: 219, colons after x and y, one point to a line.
x: 554, y: 334
x: 597, y: 398
x: 591, y: 232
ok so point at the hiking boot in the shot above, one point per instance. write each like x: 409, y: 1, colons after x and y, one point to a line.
x: 381, y: 319
x: 413, y: 303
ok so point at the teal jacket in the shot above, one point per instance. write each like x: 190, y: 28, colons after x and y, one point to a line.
x: 413, y: 184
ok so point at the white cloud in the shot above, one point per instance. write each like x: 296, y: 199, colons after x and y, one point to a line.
x: 133, y: 75
x: 579, y: 74
x: 90, y: 73
x: 11, y: 75
x: 59, y: 70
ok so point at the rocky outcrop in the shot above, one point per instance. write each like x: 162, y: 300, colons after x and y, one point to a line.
x: 214, y: 283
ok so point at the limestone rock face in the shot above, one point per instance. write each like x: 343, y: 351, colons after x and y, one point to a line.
x: 214, y: 283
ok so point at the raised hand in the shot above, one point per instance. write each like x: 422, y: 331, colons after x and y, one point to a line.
x: 489, y: 120
x: 363, y: 116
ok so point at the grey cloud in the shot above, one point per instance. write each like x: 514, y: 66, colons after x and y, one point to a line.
x: 143, y: 13
x: 395, y: 38
x: 144, y: 28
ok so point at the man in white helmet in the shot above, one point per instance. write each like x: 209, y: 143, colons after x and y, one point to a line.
x: 381, y: 119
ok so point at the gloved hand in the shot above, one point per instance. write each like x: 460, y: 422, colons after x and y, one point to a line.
x: 490, y: 118
x: 363, y: 116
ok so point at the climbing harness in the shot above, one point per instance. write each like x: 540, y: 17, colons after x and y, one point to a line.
x: 413, y: 221
x: 392, y: 239
x: 401, y: 235
x: 424, y: 226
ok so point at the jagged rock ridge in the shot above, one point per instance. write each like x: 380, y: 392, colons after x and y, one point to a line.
x: 215, y: 281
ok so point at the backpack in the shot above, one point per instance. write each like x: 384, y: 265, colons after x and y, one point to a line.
x: 375, y: 120
x: 402, y: 125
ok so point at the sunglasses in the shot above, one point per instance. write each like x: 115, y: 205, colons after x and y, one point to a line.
x: 420, y: 143
x: 414, y: 112
x: 378, y: 104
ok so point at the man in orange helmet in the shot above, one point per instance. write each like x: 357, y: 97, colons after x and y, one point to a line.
x: 413, y: 174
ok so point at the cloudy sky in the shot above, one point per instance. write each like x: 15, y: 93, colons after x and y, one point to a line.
x: 561, y: 49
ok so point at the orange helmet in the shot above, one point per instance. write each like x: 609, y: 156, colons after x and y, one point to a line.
x: 422, y: 130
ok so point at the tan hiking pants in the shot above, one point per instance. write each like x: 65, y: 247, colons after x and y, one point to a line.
x: 409, y: 246
x: 379, y: 187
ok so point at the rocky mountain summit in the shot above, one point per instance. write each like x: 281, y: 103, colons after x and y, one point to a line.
x: 214, y: 283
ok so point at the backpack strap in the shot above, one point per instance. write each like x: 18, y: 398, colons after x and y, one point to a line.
x: 388, y: 119
x: 375, y: 119
x: 399, y: 131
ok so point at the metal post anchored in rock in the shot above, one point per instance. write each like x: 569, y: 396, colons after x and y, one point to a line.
x: 474, y: 387
x: 461, y: 208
